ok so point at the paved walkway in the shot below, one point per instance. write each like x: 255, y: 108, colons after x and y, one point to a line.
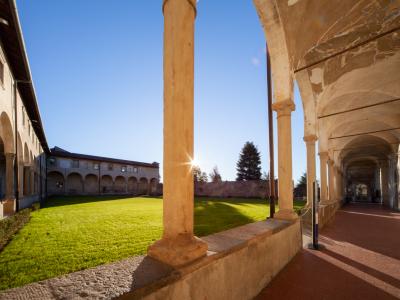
x: 361, y: 260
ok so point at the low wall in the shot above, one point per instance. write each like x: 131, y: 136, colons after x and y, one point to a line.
x: 27, y: 201
x: 240, y: 189
x: 240, y: 263
x: 327, y: 212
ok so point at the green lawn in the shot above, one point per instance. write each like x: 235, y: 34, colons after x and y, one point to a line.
x: 71, y: 234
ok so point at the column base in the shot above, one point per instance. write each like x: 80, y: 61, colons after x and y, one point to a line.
x: 286, y: 214
x: 9, y: 207
x: 178, y: 251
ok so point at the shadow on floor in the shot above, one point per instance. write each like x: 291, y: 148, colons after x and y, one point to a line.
x: 361, y: 260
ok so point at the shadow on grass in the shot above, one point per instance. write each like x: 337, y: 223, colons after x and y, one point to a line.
x: 214, y: 216
x: 55, y: 201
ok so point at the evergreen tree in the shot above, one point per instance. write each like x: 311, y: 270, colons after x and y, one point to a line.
x: 249, y: 165
x: 215, y: 176
x: 302, y: 181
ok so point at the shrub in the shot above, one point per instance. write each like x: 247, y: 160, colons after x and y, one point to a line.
x: 11, y: 225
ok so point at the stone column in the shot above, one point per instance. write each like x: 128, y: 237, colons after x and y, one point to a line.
x: 178, y: 245
x: 32, y: 181
x: 10, y: 175
x: 285, y: 180
x: 323, y: 158
x: 331, y: 175
x: 385, y: 183
x: 311, y: 176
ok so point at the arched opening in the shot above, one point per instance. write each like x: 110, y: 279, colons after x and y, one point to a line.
x: 2, y: 170
x: 20, y: 165
x: 143, y: 186
x: 55, y: 183
x: 8, y: 148
x: 120, y: 185
x: 153, y: 186
x: 26, y: 173
x: 74, y: 184
x: 366, y: 161
x: 106, y: 184
x: 132, y: 185
x: 91, y: 184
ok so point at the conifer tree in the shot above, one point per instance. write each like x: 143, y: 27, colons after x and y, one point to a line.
x: 249, y: 165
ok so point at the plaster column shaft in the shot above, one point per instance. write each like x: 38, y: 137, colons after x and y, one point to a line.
x: 331, y: 175
x: 285, y: 180
x: 323, y: 158
x: 311, y: 176
x: 32, y: 181
x: 385, y: 183
x: 10, y: 175
x: 178, y: 246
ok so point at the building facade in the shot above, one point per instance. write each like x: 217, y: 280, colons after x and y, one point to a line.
x: 25, y: 158
x: 72, y: 174
x: 22, y: 139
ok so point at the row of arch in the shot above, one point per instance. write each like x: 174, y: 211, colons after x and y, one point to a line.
x: 75, y: 183
x: 27, y: 163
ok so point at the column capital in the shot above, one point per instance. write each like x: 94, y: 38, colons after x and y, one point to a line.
x: 192, y: 3
x: 311, y: 138
x: 323, y: 155
x: 283, y: 108
x: 9, y: 155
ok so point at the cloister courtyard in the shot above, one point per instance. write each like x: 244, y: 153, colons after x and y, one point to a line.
x: 74, y: 233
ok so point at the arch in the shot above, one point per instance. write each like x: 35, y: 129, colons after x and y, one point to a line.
x: 26, y: 154
x: 280, y: 63
x: 120, y: 185
x: 2, y: 170
x: 91, y: 184
x: 20, y: 151
x: 74, y: 183
x: 153, y: 186
x: 55, y: 183
x: 106, y: 184
x: 6, y: 133
x: 132, y: 185
x: 143, y: 186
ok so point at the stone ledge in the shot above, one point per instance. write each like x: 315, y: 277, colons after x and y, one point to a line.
x: 142, y: 276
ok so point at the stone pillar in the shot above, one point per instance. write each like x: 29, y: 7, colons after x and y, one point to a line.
x: 323, y: 158
x: 331, y: 175
x: 178, y: 245
x: 385, y: 183
x: 285, y: 180
x: 10, y: 175
x: 32, y: 181
x: 311, y: 176
x: 392, y: 189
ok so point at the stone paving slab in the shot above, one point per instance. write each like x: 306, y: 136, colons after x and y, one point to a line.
x: 102, y: 282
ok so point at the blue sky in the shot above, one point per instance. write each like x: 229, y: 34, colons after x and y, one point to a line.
x: 97, y: 69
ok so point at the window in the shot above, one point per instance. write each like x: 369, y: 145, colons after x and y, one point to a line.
x: 110, y: 167
x: 123, y: 169
x: 29, y: 129
x: 75, y: 163
x: 52, y: 161
x: 130, y: 169
x: 96, y: 166
x: 1, y: 72
x: 135, y: 170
